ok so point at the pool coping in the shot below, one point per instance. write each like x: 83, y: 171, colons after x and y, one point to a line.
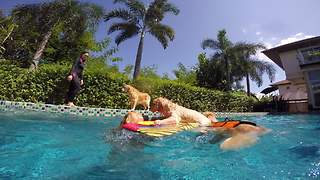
x: 99, y: 112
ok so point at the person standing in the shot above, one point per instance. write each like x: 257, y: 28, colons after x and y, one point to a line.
x: 75, y: 78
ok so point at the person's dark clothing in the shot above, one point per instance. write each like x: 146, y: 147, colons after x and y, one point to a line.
x: 77, y: 76
x: 77, y: 69
x: 73, y: 89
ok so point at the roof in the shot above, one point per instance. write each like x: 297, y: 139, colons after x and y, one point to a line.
x: 273, y: 53
x: 281, y: 83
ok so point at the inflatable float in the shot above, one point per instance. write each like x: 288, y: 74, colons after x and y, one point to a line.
x: 151, y: 129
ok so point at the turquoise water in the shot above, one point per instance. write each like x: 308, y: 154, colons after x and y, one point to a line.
x: 48, y: 146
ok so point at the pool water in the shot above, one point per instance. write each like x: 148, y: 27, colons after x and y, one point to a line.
x: 50, y: 146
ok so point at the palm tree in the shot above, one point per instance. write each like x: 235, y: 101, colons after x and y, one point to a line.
x: 139, y: 19
x: 252, y: 67
x: 238, y: 60
x: 72, y: 15
x: 6, y: 28
x: 210, y: 72
x: 223, y: 48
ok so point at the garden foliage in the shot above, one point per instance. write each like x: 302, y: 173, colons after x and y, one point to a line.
x: 103, y: 88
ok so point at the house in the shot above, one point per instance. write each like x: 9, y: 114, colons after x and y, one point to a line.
x: 301, y: 62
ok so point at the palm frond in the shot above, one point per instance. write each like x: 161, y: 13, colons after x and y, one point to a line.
x: 161, y: 38
x: 271, y: 71
x: 92, y: 13
x: 24, y: 9
x: 158, y: 8
x: 164, y: 7
x: 263, y: 67
x: 119, y: 13
x: 210, y: 43
x: 171, y: 8
x: 163, y: 33
x: 256, y: 77
x: 154, y: 12
x: 267, y: 68
x: 120, y: 1
x: 156, y: 4
x: 126, y: 33
x: 248, y: 49
x: 129, y: 27
x: 224, y: 43
x: 135, y: 6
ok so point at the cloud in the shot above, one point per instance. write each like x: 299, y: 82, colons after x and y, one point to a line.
x: 273, y: 43
x: 263, y: 57
x: 294, y: 38
x: 244, y: 30
x: 268, y: 45
x: 258, y: 33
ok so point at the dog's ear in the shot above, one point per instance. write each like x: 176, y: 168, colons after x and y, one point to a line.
x: 155, y: 104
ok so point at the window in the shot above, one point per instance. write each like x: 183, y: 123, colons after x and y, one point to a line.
x: 317, y: 99
x: 314, y: 77
x: 314, y: 80
x: 310, y: 55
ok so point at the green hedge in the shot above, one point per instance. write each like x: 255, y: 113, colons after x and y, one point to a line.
x: 48, y: 85
x: 103, y: 89
x: 197, y: 98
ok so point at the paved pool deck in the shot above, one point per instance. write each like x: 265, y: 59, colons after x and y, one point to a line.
x: 99, y: 112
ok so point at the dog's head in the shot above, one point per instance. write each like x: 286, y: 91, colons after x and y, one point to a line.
x: 210, y: 115
x: 132, y: 117
x: 162, y: 105
x: 126, y: 87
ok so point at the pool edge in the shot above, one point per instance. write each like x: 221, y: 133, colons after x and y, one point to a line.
x: 99, y: 112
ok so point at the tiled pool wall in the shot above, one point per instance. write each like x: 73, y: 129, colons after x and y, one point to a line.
x: 102, y: 112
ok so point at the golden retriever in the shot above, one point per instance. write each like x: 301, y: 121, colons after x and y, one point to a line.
x: 175, y: 114
x: 132, y: 117
x: 136, y: 97
x: 241, y: 136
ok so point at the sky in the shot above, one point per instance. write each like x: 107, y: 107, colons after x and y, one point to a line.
x: 272, y: 22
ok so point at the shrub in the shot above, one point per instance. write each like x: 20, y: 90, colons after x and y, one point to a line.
x: 102, y: 88
x: 197, y: 98
x: 48, y: 85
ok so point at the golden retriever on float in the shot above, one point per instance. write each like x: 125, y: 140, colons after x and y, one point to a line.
x: 136, y: 97
x: 174, y: 113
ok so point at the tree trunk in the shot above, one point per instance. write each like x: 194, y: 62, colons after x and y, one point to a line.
x: 137, y: 67
x: 248, y: 84
x: 227, y: 73
x: 39, y: 52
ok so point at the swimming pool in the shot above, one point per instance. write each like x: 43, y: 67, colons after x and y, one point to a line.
x: 37, y: 145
